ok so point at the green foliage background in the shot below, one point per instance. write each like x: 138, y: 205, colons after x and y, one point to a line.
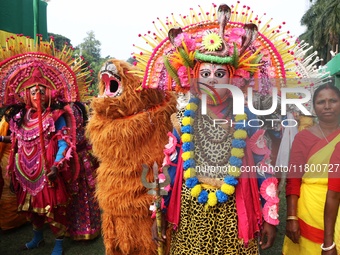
x: 323, y: 27
x: 90, y: 50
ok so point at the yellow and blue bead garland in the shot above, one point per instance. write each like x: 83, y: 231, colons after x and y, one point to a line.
x: 188, y: 156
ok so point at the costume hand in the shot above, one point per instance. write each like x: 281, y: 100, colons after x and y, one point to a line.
x: 293, y: 230
x: 154, y: 234
x: 331, y: 252
x: 52, y: 175
x: 269, y: 231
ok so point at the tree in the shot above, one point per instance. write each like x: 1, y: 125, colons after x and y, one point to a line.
x: 89, y: 49
x: 323, y: 26
x: 327, y: 27
x: 59, y: 41
x: 131, y: 60
x: 91, y: 46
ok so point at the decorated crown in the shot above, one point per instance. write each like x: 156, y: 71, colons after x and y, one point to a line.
x: 23, y: 66
x: 262, y: 55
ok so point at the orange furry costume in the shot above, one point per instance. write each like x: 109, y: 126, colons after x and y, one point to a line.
x: 127, y: 129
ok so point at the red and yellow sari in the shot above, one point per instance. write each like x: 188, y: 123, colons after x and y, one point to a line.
x: 322, y: 157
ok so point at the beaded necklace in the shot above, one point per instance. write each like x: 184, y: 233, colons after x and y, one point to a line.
x: 188, y: 156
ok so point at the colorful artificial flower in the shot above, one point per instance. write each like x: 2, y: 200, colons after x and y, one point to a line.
x: 183, y: 76
x: 212, y: 42
x: 187, y: 121
x: 257, y: 44
x: 239, y: 81
x: 235, y: 39
x: 195, y: 191
x: 266, y: 54
x: 212, y: 199
x: 186, y: 38
x: 240, y: 134
x: 188, y: 155
x: 240, y: 117
x: 222, y: 197
x: 270, y: 213
x: 238, y: 31
x: 187, y: 174
x: 228, y: 189
x: 271, y: 71
x: 192, y: 182
x: 237, y: 152
x: 170, y: 151
x: 268, y: 190
x: 242, y: 73
x: 203, y: 197
x: 234, y: 171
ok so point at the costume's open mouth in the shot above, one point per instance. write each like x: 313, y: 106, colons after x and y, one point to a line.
x: 113, y: 87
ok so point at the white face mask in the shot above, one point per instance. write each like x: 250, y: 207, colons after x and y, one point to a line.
x: 34, y: 95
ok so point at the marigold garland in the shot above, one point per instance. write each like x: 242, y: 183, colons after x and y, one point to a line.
x: 188, y: 156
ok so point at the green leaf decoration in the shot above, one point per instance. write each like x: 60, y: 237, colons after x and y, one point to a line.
x: 186, y: 59
x: 171, y: 70
x: 257, y: 59
x: 236, y: 57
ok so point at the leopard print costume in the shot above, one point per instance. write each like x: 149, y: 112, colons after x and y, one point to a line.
x: 208, y: 232
x: 212, y: 146
x: 214, y: 231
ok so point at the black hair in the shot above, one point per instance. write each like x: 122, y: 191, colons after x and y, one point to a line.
x: 83, y: 109
x: 2, y: 113
x: 13, y: 110
x: 322, y: 87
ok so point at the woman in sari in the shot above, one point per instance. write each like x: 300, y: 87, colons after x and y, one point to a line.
x: 313, y: 160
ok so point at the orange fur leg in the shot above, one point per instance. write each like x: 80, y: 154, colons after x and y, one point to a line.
x: 109, y: 234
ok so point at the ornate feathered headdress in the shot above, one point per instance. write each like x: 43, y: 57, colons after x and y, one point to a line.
x: 23, y: 65
x: 261, y: 55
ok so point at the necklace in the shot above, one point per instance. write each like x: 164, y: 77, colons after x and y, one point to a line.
x: 325, y: 136
x: 188, y: 156
x: 29, y: 114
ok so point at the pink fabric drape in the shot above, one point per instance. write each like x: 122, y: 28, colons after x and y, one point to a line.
x: 248, y: 200
x: 174, y: 208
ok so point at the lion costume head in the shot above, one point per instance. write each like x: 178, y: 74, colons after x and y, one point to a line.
x: 118, y: 95
x: 123, y: 114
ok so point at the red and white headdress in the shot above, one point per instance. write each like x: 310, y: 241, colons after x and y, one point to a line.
x: 23, y: 67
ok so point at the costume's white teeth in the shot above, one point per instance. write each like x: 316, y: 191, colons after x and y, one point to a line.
x: 109, y: 74
x: 119, y: 92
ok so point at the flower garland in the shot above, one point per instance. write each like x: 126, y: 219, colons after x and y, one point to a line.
x: 188, y: 156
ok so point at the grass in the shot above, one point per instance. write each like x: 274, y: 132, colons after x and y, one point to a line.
x: 11, y: 242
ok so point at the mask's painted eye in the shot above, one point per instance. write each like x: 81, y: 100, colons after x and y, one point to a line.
x: 219, y: 74
x: 205, y: 74
x: 33, y: 92
x: 42, y: 92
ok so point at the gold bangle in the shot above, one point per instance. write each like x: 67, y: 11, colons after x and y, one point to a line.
x: 292, y: 218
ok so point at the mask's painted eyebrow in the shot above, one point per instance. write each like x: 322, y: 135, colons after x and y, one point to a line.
x: 205, y: 70
x: 221, y: 70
